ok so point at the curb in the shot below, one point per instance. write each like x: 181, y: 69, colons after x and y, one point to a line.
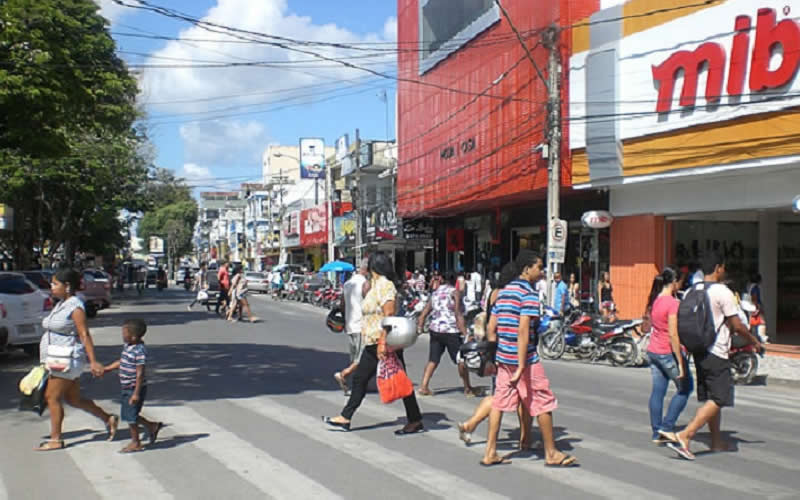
x: 783, y: 382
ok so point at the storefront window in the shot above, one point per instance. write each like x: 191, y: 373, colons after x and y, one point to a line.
x: 736, y: 241
x: 788, y: 279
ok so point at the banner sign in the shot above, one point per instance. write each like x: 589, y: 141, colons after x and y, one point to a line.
x: 417, y: 229
x: 344, y: 229
x: 381, y: 224
x: 314, y: 226
x: 312, y: 158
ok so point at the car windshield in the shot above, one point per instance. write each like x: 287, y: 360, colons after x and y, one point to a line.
x: 11, y: 284
x: 255, y: 276
x: 98, y: 275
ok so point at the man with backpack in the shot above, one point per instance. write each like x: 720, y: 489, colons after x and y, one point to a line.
x: 706, y: 317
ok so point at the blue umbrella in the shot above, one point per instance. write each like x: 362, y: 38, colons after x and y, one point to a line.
x: 337, y: 265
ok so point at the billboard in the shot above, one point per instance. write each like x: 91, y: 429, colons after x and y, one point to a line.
x: 312, y: 158
x: 344, y: 229
x: 314, y: 226
x: 156, y: 245
x: 381, y: 224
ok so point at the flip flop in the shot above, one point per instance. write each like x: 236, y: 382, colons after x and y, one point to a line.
x: 567, y: 461
x: 50, y: 445
x: 154, y: 434
x: 464, y: 435
x: 669, y: 436
x: 113, y: 424
x: 681, y: 449
x: 499, y: 461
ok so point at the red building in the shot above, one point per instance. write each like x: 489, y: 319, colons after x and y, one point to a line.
x: 468, y: 125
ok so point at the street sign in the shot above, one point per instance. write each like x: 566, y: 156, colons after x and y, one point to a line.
x: 558, y: 241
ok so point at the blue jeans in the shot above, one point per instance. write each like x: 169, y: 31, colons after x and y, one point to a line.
x: 664, y: 369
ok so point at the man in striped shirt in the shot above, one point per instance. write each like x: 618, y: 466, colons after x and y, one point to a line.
x: 520, y: 375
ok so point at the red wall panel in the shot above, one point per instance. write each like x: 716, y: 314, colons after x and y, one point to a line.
x: 500, y: 169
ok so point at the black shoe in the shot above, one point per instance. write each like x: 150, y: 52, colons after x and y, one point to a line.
x: 345, y: 427
x: 412, y: 428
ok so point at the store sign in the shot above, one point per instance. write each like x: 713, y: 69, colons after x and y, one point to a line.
x: 597, y: 219
x: 313, y: 226
x: 770, y: 38
x: 381, y: 224
x: 312, y: 158
x: 156, y: 245
x: 291, y: 224
x: 344, y: 229
x: 417, y: 229
x: 728, y: 61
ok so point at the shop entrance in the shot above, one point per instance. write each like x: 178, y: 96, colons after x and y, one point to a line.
x: 788, y: 326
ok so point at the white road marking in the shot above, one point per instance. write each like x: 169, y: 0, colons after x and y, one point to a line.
x: 271, y: 476
x: 434, y: 481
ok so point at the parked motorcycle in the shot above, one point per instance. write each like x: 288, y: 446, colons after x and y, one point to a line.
x: 587, y: 338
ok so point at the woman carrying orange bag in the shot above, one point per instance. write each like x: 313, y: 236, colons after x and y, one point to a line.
x: 378, y: 304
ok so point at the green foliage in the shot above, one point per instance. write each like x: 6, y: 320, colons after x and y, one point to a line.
x: 70, y: 158
x: 173, y: 222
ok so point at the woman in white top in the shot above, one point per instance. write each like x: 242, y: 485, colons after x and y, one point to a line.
x: 66, y: 326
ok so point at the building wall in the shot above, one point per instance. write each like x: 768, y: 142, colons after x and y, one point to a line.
x: 638, y: 253
x: 501, y: 168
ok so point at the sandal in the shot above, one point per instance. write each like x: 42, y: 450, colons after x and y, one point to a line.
x: 495, y: 461
x: 154, y: 434
x: 566, y: 461
x: 113, y: 424
x: 464, y: 434
x: 132, y: 449
x: 427, y: 392
x: 50, y: 445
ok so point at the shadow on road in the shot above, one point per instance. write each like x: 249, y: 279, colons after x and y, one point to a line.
x: 202, y: 372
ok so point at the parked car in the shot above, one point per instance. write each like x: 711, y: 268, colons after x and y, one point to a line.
x: 257, y: 282
x: 95, y: 291
x: 41, y: 278
x: 22, y: 307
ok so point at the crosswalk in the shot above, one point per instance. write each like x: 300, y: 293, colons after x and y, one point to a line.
x: 275, y: 446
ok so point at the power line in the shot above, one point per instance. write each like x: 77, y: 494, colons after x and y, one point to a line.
x: 521, y: 42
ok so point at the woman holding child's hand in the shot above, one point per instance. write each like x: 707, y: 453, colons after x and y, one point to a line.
x: 66, y: 326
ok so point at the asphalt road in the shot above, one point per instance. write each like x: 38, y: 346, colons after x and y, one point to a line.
x: 243, y: 403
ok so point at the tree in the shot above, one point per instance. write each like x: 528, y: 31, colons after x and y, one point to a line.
x: 70, y: 158
x: 174, y: 223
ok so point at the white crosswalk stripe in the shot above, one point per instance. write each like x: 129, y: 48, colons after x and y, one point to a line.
x: 271, y: 476
x: 589, y: 482
x: 3, y: 490
x: 110, y: 472
x: 435, y: 481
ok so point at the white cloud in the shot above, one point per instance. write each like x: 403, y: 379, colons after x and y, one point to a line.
x: 256, y: 86
x: 193, y: 172
x: 224, y: 142
x: 110, y: 10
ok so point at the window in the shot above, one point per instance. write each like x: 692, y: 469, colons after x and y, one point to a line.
x: 11, y: 284
x: 445, y: 27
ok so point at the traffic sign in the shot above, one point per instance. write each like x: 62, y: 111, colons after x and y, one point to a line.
x: 556, y: 252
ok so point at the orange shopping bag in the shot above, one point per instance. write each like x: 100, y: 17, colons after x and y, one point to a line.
x: 393, y: 383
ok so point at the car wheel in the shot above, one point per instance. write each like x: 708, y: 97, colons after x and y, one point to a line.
x: 91, y: 311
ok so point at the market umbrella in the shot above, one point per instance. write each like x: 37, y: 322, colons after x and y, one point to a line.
x: 337, y: 265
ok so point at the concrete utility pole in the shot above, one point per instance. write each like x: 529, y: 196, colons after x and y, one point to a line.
x: 554, y: 147
x: 329, y: 209
x: 357, y: 199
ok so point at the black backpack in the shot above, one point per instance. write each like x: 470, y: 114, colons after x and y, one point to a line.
x: 696, y: 329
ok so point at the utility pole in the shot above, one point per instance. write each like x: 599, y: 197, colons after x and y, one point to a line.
x: 550, y: 42
x: 359, y: 229
x: 282, y: 258
x: 329, y: 209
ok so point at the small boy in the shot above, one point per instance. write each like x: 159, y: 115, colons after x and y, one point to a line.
x: 133, y: 384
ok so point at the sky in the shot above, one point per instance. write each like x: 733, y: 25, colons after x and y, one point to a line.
x: 211, y: 124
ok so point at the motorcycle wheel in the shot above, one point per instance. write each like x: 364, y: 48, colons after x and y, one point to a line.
x: 744, y: 367
x: 623, y: 352
x: 552, y: 344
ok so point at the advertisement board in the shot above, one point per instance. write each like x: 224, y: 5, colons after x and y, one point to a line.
x: 156, y: 244
x: 417, y: 229
x: 312, y: 158
x: 314, y: 226
x: 381, y: 224
x: 344, y: 229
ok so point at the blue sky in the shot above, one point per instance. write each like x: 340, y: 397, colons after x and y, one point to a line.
x: 209, y: 124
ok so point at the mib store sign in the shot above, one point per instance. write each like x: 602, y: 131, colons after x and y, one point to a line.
x: 735, y: 59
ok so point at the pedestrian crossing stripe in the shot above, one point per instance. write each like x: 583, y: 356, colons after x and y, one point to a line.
x: 588, y: 482
x: 3, y: 490
x: 271, y: 476
x: 434, y: 481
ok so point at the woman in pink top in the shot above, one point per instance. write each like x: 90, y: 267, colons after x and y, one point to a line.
x: 667, y: 361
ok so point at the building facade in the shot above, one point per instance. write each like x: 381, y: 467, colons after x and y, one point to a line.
x: 687, y: 118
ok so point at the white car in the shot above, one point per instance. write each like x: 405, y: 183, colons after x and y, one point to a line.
x: 257, y: 282
x: 22, y: 308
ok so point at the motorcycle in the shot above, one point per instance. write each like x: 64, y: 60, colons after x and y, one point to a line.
x: 744, y: 360
x: 587, y: 338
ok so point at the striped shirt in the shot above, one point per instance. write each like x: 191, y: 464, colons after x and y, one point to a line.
x: 515, y: 300
x: 133, y: 355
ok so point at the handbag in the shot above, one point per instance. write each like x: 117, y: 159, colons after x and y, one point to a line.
x: 58, y: 358
x: 32, y: 388
x: 202, y: 296
x: 393, y: 383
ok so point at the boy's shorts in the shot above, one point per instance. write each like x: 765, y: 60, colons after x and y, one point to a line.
x: 532, y: 390
x: 129, y: 413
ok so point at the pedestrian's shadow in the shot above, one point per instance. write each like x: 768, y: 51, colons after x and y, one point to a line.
x: 174, y: 441
x: 433, y: 421
x: 727, y: 436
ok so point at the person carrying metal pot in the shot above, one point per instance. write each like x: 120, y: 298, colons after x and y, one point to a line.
x: 378, y: 304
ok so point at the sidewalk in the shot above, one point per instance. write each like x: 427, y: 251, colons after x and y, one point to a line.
x: 781, y: 364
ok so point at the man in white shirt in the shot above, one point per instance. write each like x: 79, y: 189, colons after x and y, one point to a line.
x: 352, y: 293
x: 714, y: 380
